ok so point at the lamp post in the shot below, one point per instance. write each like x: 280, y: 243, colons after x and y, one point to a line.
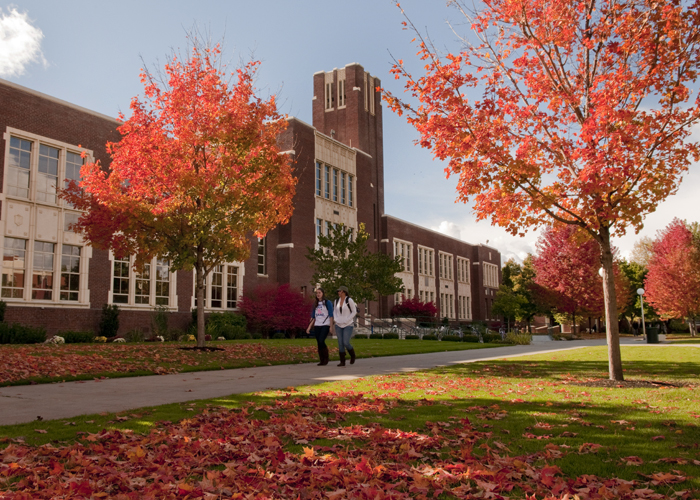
x: 640, y: 292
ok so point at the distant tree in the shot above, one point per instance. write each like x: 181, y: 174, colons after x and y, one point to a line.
x: 508, y: 304
x: 197, y: 170
x: 524, y: 284
x: 636, y: 274
x: 577, y: 112
x: 342, y: 258
x: 641, y: 251
x: 269, y: 307
x: 672, y: 284
x: 567, y: 262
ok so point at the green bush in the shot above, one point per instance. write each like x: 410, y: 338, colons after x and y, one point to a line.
x: 278, y: 335
x: 470, y: 338
x: 228, y: 325
x: 360, y: 336
x: 159, y: 323
x: 391, y: 336
x: 491, y: 337
x: 412, y: 337
x: 375, y: 335
x: 452, y: 338
x: 75, y: 337
x: 518, y: 338
x: 18, y: 334
x: 135, y: 335
x: 677, y: 326
x: 430, y: 337
x: 109, y: 322
x: 3, y: 306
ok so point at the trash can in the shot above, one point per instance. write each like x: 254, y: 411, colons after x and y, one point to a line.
x: 652, y: 335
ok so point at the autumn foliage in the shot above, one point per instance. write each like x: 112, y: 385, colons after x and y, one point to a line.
x: 567, y: 265
x: 197, y: 170
x: 414, y: 308
x: 672, y: 284
x: 269, y: 307
x: 578, y: 112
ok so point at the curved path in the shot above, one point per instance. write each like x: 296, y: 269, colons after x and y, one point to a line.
x: 21, y: 404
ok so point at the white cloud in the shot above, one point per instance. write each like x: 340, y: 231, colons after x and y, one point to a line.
x: 20, y: 43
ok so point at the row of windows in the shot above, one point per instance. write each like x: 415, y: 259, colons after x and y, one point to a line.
x: 330, y: 97
x: 463, y: 269
x: 465, y: 307
x: 425, y: 262
x: 400, y: 297
x: 42, y: 267
x: 426, y: 296
x: 33, y: 175
x: 334, y: 184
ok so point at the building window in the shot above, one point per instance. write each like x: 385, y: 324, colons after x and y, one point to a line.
x: 335, y: 185
x: 426, y: 257
x: 463, y: 269
x: 371, y: 94
x: 48, y: 174
x: 13, y: 265
x: 350, y: 191
x: 465, y: 307
x: 445, y: 266
x: 366, y: 93
x: 231, y: 287
x: 490, y: 275
x: 42, y: 275
x: 70, y: 272
x: 120, y: 281
x: 318, y: 179
x: 19, y: 165
x: 262, y: 260
x: 141, y: 287
x: 341, y: 93
x: 329, y: 96
x: 327, y: 191
x: 223, y: 279
x: 343, y: 188
x: 217, y: 287
x: 319, y: 230
x: 405, y: 251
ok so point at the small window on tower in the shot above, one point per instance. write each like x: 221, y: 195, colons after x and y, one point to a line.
x: 329, y: 96
x: 341, y: 93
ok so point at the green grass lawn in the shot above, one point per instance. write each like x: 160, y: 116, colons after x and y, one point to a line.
x: 40, y: 363
x: 545, y: 425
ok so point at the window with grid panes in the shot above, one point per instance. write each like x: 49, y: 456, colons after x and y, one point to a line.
x: 70, y: 273
x: 13, y: 267
x: 42, y: 275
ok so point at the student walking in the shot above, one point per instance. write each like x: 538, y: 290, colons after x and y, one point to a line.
x: 345, y: 311
x: 322, y: 322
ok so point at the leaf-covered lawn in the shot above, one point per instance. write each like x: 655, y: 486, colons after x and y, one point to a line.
x: 40, y: 363
x: 530, y: 427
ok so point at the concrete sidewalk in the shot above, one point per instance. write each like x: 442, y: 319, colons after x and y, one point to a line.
x: 22, y: 404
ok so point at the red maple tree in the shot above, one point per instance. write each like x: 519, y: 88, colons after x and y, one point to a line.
x: 672, y: 284
x: 567, y: 264
x: 269, y: 307
x: 197, y: 170
x: 577, y: 112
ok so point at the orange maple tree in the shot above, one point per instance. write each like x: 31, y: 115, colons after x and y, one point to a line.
x: 672, y: 284
x: 197, y: 170
x: 574, y: 111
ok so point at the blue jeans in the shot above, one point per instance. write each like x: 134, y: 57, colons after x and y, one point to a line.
x: 344, y: 335
x: 321, y: 332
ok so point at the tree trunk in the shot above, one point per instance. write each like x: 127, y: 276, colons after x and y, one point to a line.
x: 611, y: 316
x: 199, y: 273
x: 691, y: 327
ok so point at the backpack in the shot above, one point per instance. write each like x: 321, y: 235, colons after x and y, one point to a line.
x: 347, y: 301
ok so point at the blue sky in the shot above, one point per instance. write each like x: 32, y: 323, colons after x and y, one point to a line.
x: 90, y: 52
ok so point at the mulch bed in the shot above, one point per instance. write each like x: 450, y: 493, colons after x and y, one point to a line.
x: 631, y: 384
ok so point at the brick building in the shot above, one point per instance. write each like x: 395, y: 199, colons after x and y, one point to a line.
x: 51, y: 278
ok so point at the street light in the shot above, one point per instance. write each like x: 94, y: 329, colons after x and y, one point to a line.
x: 640, y: 292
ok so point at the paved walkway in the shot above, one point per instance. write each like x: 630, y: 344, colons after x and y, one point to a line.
x: 22, y: 404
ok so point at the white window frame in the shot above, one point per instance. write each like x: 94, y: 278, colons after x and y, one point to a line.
x: 404, y: 249
x: 341, y: 93
x: 225, y: 269
x: 133, y: 276
x: 490, y: 275
x: 426, y: 261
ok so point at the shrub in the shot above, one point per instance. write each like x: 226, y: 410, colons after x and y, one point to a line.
x: 391, y: 336
x: 518, y: 338
x: 109, y: 322
x: 173, y: 334
x: 72, y: 337
x: 3, y: 306
x: 375, y: 335
x: 414, y: 308
x: 269, y: 308
x: 279, y: 335
x: 452, y: 338
x: 491, y: 337
x: 470, y: 338
x: 412, y: 337
x: 430, y: 337
x: 18, y: 334
x: 159, y: 322
x: 360, y: 336
x: 228, y: 325
x: 135, y: 335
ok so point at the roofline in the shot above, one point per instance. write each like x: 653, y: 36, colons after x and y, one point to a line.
x: 441, y: 234
x: 26, y: 90
x: 290, y: 118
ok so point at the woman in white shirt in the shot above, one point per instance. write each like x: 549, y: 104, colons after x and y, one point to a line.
x: 344, y: 312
